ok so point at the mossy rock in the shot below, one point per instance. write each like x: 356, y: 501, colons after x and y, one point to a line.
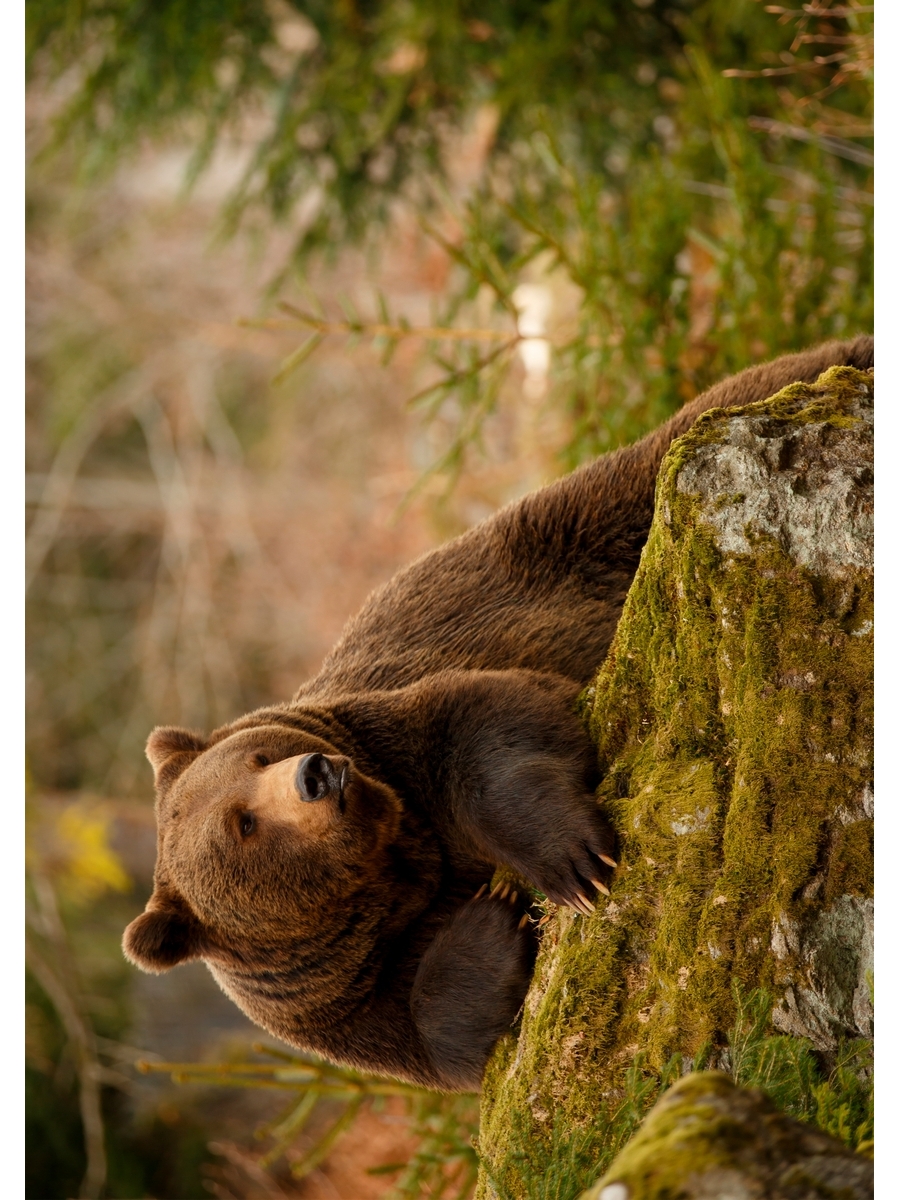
x: 733, y: 723
x: 707, y: 1139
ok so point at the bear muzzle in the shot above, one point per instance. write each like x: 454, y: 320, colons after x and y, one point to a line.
x: 320, y: 777
x: 308, y: 792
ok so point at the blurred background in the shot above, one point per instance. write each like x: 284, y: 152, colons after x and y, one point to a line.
x: 311, y: 288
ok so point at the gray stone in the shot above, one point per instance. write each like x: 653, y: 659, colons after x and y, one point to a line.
x: 830, y: 999
x: 807, y: 485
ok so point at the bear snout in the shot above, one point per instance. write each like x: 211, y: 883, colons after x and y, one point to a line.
x: 318, y: 777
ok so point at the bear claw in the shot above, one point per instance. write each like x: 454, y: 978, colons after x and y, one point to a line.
x: 503, y: 891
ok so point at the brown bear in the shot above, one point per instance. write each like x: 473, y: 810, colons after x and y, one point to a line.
x: 328, y: 858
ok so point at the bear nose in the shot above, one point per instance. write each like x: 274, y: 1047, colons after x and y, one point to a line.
x: 316, y: 777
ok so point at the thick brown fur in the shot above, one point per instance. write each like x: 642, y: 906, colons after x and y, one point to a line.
x: 323, y: 856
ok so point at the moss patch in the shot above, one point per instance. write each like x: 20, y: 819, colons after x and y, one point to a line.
x: 707, y: 1138
x: 733, y: 724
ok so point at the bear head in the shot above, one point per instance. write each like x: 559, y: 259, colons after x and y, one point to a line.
x: 276, y: 857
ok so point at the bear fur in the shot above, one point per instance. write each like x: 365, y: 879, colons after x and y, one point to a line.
x: 328, y: 858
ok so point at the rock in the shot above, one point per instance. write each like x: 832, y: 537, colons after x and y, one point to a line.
x: 830, y: 995
x: 808, y: 486
x: 733, y: 725
x: 709, y: 1140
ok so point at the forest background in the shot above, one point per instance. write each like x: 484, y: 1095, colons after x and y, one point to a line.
x: 311, y: 288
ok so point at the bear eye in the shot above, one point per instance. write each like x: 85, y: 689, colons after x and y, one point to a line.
x: 262, y: 760
x: 248, y: 824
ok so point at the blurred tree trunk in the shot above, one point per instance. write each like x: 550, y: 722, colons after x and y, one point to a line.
x: 733, y: 724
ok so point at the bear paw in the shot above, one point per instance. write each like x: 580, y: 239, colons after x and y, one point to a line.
x: 578, y: 863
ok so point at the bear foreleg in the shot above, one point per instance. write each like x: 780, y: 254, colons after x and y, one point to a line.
x: 520, y: 776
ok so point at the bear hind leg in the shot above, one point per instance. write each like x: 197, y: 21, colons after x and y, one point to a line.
x: 471, y: 983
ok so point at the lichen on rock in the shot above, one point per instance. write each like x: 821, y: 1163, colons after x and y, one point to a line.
x: 806, y: 484
x: 732, y: 719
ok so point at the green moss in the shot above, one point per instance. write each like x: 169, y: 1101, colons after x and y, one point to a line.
x: 732, y: 719
x: 852, y: 862
x: 667, y: 1153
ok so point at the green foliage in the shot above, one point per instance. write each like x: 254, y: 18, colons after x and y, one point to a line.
x: 710, y: 250
x: 790, y: 1072
x: 356, y: 95
x: 559, y: 1171
x: 445, y: 1162
x: 146, y: 63
x: 845, y: 1101
x: 697, y: 222
x: 54, y: 1144
x: 838, y: 1100
x: 785, y: 1068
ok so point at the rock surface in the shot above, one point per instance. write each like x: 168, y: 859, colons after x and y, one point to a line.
x: 808, y: 486
x: 732, y: 719
x: 709, y: 1140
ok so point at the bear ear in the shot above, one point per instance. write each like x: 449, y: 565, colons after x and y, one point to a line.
x: 170, y: 750
x: 165, y: 934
